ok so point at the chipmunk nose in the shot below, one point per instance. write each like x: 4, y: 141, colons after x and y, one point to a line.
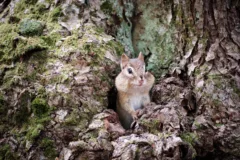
x: 141, y: 77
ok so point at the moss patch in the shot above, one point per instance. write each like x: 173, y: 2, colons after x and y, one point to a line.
x: 36, y: 124
x: 152, y: 125
x: 106, y: 7
x: 189, y: 137
x: 6, y: 153
x: 41, y: 118
x: 22, y: 113
x: 116, y: 46
x: 25, y: 71
x: 34, y: 131
x: 40, y: 107
x: 30, y: 1
x: 47, y: 145
x: 55, y: 13
x: 13, y: 46
x: 30, y: 27
x: 77, y: 119
x: 8, y: 32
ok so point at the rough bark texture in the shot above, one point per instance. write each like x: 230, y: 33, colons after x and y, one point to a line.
x: 58, y: 61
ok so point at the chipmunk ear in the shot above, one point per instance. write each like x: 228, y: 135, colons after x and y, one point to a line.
x: 124, y: 60
x: 141, y: 57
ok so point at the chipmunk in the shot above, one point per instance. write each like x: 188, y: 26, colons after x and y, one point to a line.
x: 133, y: 85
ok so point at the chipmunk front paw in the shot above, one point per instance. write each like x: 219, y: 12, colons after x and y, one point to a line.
x: 134, y: 115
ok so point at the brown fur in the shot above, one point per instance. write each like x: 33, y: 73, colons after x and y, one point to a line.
x: 133, y: 89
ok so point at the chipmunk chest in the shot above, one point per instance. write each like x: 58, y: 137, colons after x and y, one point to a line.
x: 136, y: 102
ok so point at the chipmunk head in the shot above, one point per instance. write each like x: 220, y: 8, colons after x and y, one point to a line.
x: 134, y: 69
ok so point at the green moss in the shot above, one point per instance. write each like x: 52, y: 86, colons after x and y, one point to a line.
x: 6, y: 153
x: 116, y: 46
x: 20, y: 7
x: 72, y: 119
x: 124, y: 36
x: 40, y: 107
x: 31, y: 44
x: 189, y: 137
x: 152, y: 125
x: 161, y: 46
x: 217, y: 80
x: 38, y: 59
x: 197, y: 71
x: 99, y: 30
x: 38, y: 11
x: 197, y: 125
x: 217, y: 102
x: 22, y: 113
x: 100, y: 50
x: 13, y: 46
x: 34, y: 11
x: 9, y: 79
x: 235, y: 87
x: 77, y: 119
x: 55, y: 13
x: 13, y: 19
x: 21, y: 72
x: 218, y: 125
x: 51, y: 41
x: 33, y: 132
x: 40, y: 8
x: 47, y: 145
x: 30, y: 1
x: 106, y: 7
x: 61, y: 78
x: 7, y: 35
x: 36, y: 124
x: 72, y: 40
x: 30, y: 27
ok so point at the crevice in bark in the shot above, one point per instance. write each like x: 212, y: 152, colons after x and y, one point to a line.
x: 112, y: 98
x: 4, y: 4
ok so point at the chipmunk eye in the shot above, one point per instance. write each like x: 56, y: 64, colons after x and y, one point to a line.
x: 130, y: 71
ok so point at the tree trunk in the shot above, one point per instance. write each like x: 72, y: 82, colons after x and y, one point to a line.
x: 59, y: 59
